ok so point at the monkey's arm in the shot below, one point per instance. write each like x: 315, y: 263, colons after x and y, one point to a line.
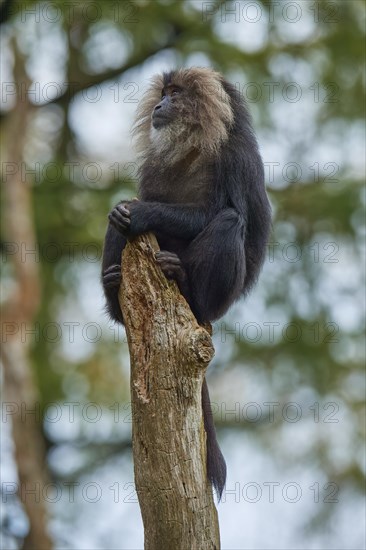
x: 178, y: 220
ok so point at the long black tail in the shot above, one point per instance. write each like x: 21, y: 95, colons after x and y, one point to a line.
x: 216, y: 467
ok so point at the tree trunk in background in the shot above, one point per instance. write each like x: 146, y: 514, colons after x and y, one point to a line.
x: 21, y: 306
x: 169, y: 355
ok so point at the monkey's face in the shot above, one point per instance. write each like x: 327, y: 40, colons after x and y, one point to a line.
x: 169, y: 107
x: 183, y: 110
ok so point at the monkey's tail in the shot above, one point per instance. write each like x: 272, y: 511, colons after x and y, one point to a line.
x: 216, y: 467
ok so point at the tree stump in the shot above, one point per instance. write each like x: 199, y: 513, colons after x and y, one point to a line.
x: 169, y: 354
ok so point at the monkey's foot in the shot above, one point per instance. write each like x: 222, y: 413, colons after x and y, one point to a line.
x: 112, y: 276
x: 171, y: 265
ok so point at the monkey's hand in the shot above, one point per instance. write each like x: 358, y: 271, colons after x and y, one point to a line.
x: 128, y: 217
x: 120, y: 218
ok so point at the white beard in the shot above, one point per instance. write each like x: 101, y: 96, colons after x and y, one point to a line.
x: 164, y: 141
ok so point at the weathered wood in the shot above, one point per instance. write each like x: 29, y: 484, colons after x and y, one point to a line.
x: 169, y: 354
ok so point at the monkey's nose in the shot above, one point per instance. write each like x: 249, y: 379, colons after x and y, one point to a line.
x: 157, y: 107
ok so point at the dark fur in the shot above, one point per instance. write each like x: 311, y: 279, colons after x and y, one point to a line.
x: 208, y: 206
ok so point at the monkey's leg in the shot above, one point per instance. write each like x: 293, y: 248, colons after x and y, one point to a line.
x: 216, y: 266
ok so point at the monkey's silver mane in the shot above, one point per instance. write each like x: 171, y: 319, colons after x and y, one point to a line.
x: 203, y: 123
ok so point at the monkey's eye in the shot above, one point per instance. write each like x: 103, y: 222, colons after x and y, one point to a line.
x: 175, y: 92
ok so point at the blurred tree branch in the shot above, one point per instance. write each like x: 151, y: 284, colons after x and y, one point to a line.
x: 19, y: 310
